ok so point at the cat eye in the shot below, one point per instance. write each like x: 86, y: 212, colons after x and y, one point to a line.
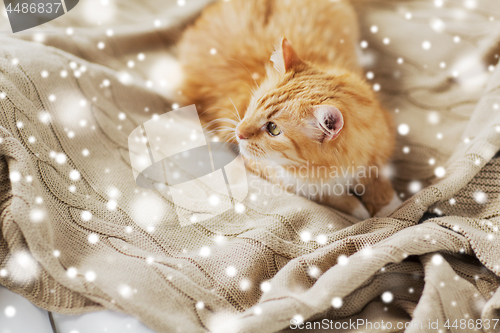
x: 273, y: 129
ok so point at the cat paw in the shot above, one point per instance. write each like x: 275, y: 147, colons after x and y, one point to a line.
x: 361, y: 213
x: 390, y: 207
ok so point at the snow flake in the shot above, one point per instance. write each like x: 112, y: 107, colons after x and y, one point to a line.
x: 314, y: 272
x: 52, y: 97
x: 433, y: 117
x: 231, y: 271
x: 403, y: 129
x: 470, y: 4
x: 141, y: 56
x: 10, y: 311
x: 69, y: 31
x: 239, y: 208
x: 90, y: 276
x: 387, y: 297
x: 370, y: 75
x: 44, y: 74
x: 111, y: 204
x: 480, y: 197
x: 298, y: 319
x: 265, y: 286
x: 437, y: 259
x: 452, y: 201
x: 342, y: 260
x: 213, y: 51
x: 15, y: 176
x: 437, y: 25
x: 337, y: 302
x: 322, y: 239
x: 110, y: 32
x: 415, y: 186
x: 305, y: 236
x: 125, y: 290
x: 56, y: 253
x: 86, y: 215
x: 205, y: 251
x: 85, y: 152
x: 60, y: 158
x: 376, y: 87
x: 213, y: 200
x: 72, y: 272
x: 426, y: 45
x: 44, y: 117
x: 37, y: 215
x: 101, y: 45
x: 374, y: 29
x: 200, y: 305
x: 245, y: 284
x: 440, y: 172
x: 93, y: 238
x: 74, y: 175
x: 363, y: 44
x: 220, y: 239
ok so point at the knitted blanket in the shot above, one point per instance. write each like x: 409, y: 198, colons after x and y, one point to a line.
x: 78, y: 234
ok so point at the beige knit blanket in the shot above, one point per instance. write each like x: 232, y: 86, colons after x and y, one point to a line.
x: 72, y: 218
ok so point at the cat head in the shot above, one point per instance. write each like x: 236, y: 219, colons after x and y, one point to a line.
x: 302, y: 114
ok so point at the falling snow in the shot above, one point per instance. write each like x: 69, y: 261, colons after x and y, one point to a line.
x: 337, y: 302
x: 342, y: 260
x: 387, y: 297
x: 10, y: 311
x: 480, y: 197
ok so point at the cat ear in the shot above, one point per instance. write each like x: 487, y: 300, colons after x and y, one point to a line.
x: 285, y: 58
x: 329, y: 120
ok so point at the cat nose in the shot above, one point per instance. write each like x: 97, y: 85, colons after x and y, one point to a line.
x: 240, y: 135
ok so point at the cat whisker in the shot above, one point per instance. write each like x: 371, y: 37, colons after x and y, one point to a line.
x: 236, y: 109
x: 251, y: 90
x: 242, y: 64
x: 220, y: 120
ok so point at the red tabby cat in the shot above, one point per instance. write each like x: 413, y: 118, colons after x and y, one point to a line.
x: 311, y: 111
